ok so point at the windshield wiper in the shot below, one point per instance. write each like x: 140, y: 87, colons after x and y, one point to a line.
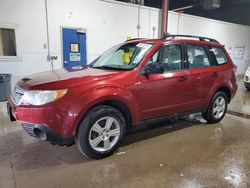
x: 108, y: 67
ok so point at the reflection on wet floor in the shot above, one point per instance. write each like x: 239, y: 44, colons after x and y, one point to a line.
x: 241, y: 102
x: 181, y: 153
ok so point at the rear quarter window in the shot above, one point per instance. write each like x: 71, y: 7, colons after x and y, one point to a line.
x: 219, y: 55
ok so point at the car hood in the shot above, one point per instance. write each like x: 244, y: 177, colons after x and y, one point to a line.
x: 63, y: 78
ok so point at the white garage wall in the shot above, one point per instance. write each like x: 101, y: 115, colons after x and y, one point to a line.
x: 28, y: 17
x: 107, y: 23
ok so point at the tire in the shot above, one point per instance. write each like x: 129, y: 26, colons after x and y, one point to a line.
x: 93, y: 137
x: 217, y: 108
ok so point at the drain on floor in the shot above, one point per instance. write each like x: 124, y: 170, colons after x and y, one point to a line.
x: 238, y: 114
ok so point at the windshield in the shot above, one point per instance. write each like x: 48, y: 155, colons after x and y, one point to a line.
x: 123, y: 56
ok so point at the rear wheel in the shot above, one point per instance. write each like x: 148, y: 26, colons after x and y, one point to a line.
x: 100, y: 133
x: 217, y: 108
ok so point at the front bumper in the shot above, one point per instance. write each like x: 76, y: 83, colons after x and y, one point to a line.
x: 42, y: 123
x: 43, y: 133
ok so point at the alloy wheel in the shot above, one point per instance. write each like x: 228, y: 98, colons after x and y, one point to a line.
x: 104, y: 134
x: 219, y: 107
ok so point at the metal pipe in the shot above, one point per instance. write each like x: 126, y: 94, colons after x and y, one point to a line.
x: 183, y: 8
x: 139, y: 14
x: 178, y: 26
x: 47, y: 29
x: 149, y: 22
x: 164, y: 17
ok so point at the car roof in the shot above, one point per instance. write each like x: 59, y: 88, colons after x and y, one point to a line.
x: 176, y: 40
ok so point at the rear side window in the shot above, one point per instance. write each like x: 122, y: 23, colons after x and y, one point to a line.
x: 219, y: 55
x: 197, y: 56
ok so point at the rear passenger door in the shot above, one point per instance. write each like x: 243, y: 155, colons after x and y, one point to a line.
x: 200, y: 63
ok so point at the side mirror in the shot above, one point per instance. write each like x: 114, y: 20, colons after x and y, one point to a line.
x: 153, y: 68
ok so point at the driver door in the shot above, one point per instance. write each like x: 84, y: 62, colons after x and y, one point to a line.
x: 170, y: 92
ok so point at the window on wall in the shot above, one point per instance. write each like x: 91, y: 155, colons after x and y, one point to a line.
x: 7, y: 42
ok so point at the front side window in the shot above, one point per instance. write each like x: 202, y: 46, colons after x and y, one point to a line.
x: 169, y: 56
x: 7, y: 42
x: 219, y: 55
x: 124, y: 57
x: 197, y: 56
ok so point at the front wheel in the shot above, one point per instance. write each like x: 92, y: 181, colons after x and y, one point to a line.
x: 217, y: 108
x: 101, y: 132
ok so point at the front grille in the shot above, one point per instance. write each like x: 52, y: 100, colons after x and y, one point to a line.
x: 29, y: 129
x: 17, y: 95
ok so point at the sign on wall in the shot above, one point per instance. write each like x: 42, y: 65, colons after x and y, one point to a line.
x: 75, y: 57
x: 239, y: 52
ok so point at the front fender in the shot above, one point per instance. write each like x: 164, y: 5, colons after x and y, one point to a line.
x: 110, y: 93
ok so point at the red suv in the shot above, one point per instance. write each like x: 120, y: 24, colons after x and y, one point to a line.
x: 130, y: 84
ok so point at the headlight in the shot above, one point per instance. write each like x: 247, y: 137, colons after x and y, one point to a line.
x: 36, y: 97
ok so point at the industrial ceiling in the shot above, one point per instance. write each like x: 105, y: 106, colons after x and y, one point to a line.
x: 234, y: 11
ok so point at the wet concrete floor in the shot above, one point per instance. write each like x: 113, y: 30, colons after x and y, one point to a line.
x: 241, y: 102
x: 185, y: 153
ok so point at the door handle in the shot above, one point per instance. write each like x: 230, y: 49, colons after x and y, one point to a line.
x: 182, y: 78
x: 214, y: 74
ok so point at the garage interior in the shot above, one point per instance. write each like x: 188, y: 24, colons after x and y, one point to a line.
x: 183, y: 152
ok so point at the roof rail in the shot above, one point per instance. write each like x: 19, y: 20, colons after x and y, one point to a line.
x: 134, y: 39
x: 167, y: 36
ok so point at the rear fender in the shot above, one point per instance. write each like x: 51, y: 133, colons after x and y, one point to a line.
x: 214, y: 89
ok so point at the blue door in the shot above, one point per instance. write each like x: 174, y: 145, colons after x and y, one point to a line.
x: 74, y: 48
